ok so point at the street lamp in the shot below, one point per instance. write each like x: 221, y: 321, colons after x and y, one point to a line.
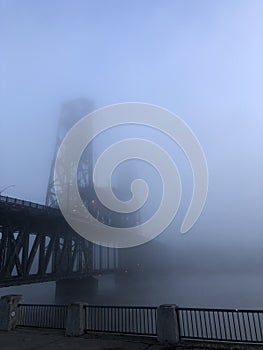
x: 5, y: 188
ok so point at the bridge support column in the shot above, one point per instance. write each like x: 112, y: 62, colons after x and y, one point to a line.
x: 76, y: 289
x: 168, y: 325
x: 9, y: 311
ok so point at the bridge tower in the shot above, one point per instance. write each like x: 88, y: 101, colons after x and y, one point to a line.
x: 71, y: 112
x: 102, y: 258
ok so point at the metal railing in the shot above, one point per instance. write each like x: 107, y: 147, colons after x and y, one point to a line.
x: 221, y: 324
x: 121, y: 319
x: 24, y: 203
x: 42, y: 316
x: 229, y: 325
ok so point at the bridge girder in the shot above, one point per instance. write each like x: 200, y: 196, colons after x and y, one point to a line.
x: 38, y: 245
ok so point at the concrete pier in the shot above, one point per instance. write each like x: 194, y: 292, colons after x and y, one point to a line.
x: 75, y: 322
x: 79, y: 289
x: 8, y: 311
x: 167, y: 325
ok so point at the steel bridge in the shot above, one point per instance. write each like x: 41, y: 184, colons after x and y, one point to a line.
x: 38, y: 245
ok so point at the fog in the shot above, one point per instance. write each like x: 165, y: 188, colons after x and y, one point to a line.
x: 199, y: 59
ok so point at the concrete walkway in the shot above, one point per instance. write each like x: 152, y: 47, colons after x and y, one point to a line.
x: 49, y: 339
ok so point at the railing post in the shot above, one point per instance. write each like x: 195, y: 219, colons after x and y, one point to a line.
x: 75, y: 322
x: 9, y: 311
x: 167, y: 324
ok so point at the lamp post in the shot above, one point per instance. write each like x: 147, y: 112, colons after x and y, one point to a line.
x: 5, y: 188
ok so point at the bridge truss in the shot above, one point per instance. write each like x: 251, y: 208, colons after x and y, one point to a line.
x: 37, y: 245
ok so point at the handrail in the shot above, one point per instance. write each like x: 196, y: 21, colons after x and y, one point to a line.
x: 206, y: 324
x: 24, y: 203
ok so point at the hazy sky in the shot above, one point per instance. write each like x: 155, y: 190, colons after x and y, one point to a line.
x: 200, y: 59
